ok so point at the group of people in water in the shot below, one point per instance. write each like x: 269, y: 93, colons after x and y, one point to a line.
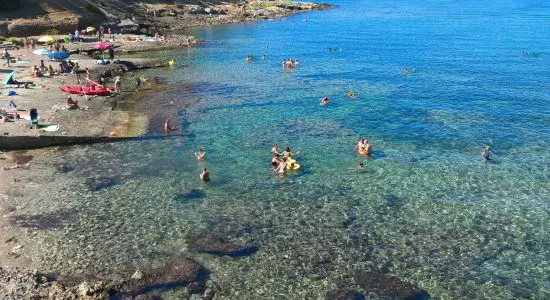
x: 363, y: 147
x: 282, y: 161
x: 291, y: 63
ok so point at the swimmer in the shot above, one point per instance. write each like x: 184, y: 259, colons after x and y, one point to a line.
x: 200, y: 155
x: 324, y: 101
x: 275, y: 149
x: 406, y: 71
x: 351, y: 95
x: 360, y: 167
x: 282, y: 166
x: 360, y: 147
x: 368, y: 147
x: 296, y: 63
x: 248, y: 58
x: 167, y: 127
x: 287, y: 153
x: 205, y: 176
x: 288, y: 64
x: 275, y: 161
x: 264, y: 57
x: 486, y: 153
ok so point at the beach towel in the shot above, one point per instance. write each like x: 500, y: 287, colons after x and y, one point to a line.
x: 9, y: 79
x: 12, y: 93
x: 58, y: 55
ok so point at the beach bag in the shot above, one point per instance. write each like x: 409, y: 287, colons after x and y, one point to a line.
x: 12, y: 93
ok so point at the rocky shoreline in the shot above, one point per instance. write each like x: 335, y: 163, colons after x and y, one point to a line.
x: 146, y: 18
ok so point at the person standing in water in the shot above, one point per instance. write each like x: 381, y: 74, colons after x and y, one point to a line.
x: 275, y: 149
x: 167, y: 127
x: 288, y: 154
x: 360, y: 147
x: 282, y: 166
x: 324, y: 101
x: 205, y: 176
x: 486, y: 153
x: 275, y: 160
x: 368, y: 147
x: 200, y: 155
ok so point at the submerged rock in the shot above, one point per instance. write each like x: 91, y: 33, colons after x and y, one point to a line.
x: 344, y: 294
x: 100, y: 182
x: 64, y: 168
x: 190, y: 194
x: 179, y: 271
x: 386, y: 286
x: 217, y: 246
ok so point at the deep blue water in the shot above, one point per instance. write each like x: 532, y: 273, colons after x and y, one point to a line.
x: 428, y: 209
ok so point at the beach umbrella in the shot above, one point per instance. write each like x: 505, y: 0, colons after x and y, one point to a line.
x: 46, y: 39
x: 90, y: 29
x: 41, y: 52
x: 58, y: 55
x: 9, y: 79
x: 102, y: 46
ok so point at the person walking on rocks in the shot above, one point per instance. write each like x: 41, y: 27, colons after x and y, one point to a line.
x: 87, y: 74
x: 138, y: 82
x: 111, y: 53
x: 6, y: 56
x: 33, y: 44
x: 117, y: 84
x: 76, y: 70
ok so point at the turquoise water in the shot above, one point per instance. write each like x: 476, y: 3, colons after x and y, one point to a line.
x: 427, y: 209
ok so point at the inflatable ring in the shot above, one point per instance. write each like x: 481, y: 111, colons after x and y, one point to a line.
x: 293, y: 166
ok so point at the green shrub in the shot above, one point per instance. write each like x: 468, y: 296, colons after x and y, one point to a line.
x: 2, y: 38
x: 13, y: 41
x: 51, y: 31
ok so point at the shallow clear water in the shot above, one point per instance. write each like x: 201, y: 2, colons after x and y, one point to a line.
x: 427, y: 209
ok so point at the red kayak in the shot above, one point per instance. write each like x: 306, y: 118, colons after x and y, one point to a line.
x: 90, y: 89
